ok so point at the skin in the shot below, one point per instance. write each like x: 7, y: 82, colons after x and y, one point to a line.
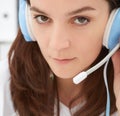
x: 68, y: 43
x: 116, y: 64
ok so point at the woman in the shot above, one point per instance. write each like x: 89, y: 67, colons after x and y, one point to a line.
x: 68, y: 39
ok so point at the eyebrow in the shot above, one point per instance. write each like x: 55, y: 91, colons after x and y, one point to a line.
x: 83, y: 9
x: 80, y: 10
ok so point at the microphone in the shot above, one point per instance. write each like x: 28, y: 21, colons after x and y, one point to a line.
x: 83, y: 75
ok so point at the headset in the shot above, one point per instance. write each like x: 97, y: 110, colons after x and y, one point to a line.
x: 111, y: 40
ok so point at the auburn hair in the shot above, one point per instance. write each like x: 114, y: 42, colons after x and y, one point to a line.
x: 34, y: 93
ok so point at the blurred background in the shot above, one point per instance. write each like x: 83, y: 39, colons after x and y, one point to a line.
x: 8, y: 25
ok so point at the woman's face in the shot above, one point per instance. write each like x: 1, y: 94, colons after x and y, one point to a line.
x: 69, y: 32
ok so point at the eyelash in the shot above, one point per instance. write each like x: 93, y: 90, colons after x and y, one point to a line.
x: 40, y: 16
x: 75, y: 20
x: 81, y: 20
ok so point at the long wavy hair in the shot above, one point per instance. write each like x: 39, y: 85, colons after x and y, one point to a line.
x: 34, y: 93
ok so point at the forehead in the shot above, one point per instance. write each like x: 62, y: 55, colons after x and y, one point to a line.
x: 68, y: 2
x: 61, y: 6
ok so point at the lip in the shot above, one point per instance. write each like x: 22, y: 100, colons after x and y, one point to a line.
x: 63, y: 61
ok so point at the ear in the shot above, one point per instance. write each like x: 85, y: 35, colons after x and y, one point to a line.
x: 112, y: 32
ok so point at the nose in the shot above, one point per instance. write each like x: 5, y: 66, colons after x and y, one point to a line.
x: 60, y: 38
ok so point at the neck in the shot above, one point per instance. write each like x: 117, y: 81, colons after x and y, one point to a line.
x: 67, y: 90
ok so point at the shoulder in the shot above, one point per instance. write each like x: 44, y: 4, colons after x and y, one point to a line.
x: 4, y: 71
x: 6, y: 104
x: 115, y: 114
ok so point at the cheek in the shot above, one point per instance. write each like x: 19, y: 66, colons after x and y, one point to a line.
x: 40, y: 36
x: 88, y: 47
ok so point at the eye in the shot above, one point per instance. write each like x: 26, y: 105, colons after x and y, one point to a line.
x: 81, y: 20
x: 41, y: 19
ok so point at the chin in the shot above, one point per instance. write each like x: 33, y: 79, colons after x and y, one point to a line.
x: 64, y: 75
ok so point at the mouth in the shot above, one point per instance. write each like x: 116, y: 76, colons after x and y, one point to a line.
x: 63, y: 61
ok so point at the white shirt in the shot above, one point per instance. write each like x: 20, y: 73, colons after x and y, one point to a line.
x: 6, y: 105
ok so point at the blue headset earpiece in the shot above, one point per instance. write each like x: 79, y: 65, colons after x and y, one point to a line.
x: 112, y: 32
x: 24, y: 20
